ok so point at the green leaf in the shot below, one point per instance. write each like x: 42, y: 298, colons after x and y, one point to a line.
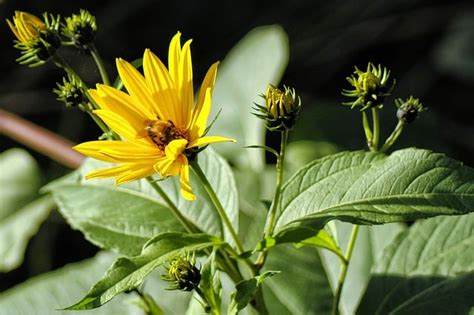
x: 19, y: 182
x: 46, y: 293
x: 128, y: 273
x: 124, y: 218
x: 17, y: 229
x: 245, y: 291
x: 371, y: 188
x: 429, y: 259
x: 210, y: 284
x: 258, y: 59
x: 119, y: 219
x: 302, y: 287
x: 322, y: 240
x: 370, y: 243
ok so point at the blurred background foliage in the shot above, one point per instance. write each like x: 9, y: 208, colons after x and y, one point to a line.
x: 428, y: 45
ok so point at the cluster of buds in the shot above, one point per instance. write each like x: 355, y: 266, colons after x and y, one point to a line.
x: 80, y: 29
x: 370, y: 87
x: 408, y: 109
x: 71, y: 92
x: 281, y: 108
x: 182, y: 273
x: 39, y: 39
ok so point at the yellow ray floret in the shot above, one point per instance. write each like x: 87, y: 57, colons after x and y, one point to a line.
x: 25, y: 26
x: 157, y: 119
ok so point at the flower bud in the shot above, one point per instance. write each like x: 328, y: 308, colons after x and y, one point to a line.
x: 71, y: 92
x: 281, y: 108
x: 80, y: 29
x: 182, y: 273
x: 370, y: 88
x: 408, y: 110
x: 37, y: 39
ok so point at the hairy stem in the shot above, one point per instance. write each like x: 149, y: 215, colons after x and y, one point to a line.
x: 276, y: 198
x: 344, y: 267
x: 394, y: 136
x: 188, y: 226
x: 99, y: 63
x: 218, y: 206
x: 376, y: 130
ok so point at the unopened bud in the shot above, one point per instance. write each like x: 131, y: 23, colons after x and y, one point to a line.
x: 408, y: 109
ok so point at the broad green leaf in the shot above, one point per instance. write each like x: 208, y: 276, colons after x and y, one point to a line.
x: 245, y: 291
x: 371, y: 188
x: 370, y: 243
x: 119, y: 219
x: 45, y: 294
x: 302, y: 287
x: 17, y: 229
x: 19, y: 180
x: 423, y: 262
x: 123, y: 218
x: 211, y: 284
x: 258, y: 59
x: 128, y: 273
x: 321, y: 240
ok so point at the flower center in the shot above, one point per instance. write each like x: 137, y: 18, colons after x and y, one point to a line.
x: 163, y: 132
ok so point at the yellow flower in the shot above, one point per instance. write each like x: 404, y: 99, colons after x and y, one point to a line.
x: 26, y: 27
x: 159, y: 122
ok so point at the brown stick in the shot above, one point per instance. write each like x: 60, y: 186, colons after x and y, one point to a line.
x: 40, y: 139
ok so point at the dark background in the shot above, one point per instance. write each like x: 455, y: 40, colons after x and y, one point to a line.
x: 428, y: 45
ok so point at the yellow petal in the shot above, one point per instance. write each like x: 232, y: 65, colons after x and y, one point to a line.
x: 118, y: 151
x: 208, y: 82
x: 207, y: 140
x: 161, y: 85
x: 107, y: 172
x: 186, y: 83
x: 135, y: 173
x: 121, y: 103
x: 199, y: 125
x: 173, y: 57
x: 118, y: 124
x: 167, y: 167
x: 175, y: 148
x: 186, y: 190
x: 136, y: 86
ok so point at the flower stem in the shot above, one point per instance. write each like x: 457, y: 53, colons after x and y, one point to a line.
x: 151, y: 307
x: 99, y: 63
x: 218, y: 206
x: 394, y: 136
x: 189, y: 227
x: 367, y: 130
x: 276, y: 198
x: 344, y: 267
x: 374, y: 144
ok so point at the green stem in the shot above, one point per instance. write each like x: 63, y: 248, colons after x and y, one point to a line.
x: 151, y: 307
x: 394, y: 136
x: 189, y: 227
x: 276, y: 198
x: 100, y: 65
x: 376, y: 130
x: 218, y: 206
x: 344, y: 267
x: 367, y: 130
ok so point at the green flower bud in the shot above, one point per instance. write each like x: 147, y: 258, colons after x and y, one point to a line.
x: 281, y: 108
x: 71, y: 92
x: 408, y: 110
x: 80, y: 29
x: 370, y: 88
x: 182, y: 273
x: 37, y: 39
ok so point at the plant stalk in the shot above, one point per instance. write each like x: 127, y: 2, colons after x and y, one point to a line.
x: 218, y: 206
x: 100, y: 64
x: 344, y: 267
x: 394, y: 136
x: 376, y: 130
x: 276, y: 198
